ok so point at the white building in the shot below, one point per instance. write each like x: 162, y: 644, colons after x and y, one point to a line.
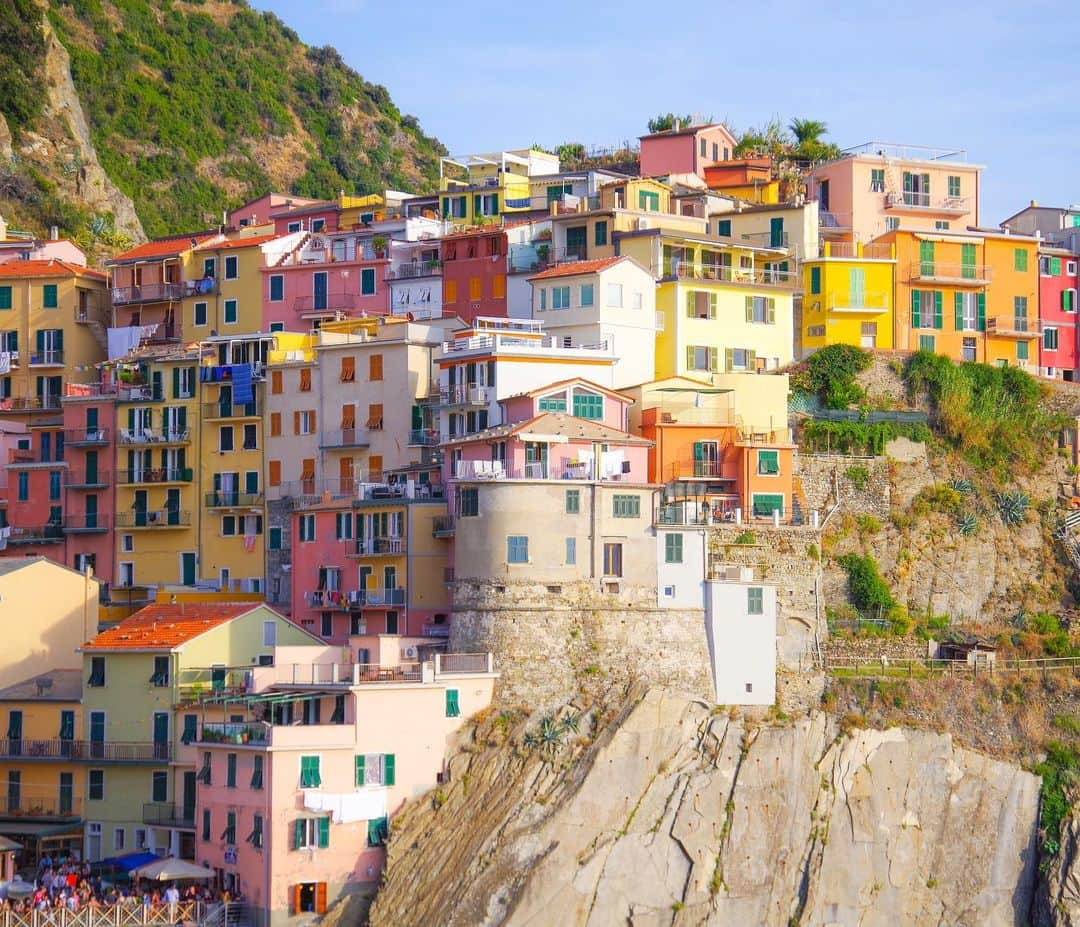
x: 681, y: 558
x: 609, y: 302
x: 740, y: 618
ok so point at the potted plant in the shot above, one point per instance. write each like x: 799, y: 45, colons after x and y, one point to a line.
x: 542, y: 252
x: 245, y: 735
x: 379, y: 243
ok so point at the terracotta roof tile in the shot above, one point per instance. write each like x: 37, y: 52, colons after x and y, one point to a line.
x: 574, y: 268
x: 237, y: 243
x: 163, y: 247
x: 51, y: 268
x: 163, y: 627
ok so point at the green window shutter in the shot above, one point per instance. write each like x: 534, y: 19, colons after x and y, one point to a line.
x: 1020, y: 261
x: 815, y: 280
x: 751, y: 359
x: 1022, y: 350
x: 298, y: 833
x: 939, y: 299
x: 958, y: 310
x: 712, y: 305
x: 360, y: 769
x: 770, y: 305
x: 131, y: 420
x: 926, y: 258
x: 1068, y: 300
x: 453, y: 708
x: 476, y: 205
x: 495, y: 203
x: 729, y: 359
x: 5, y: 297
x: 981, y: 309
x: 689, y: 357
x: 749, y: 308
x: 48, y: 296
x: 916, y: 309
x: 723, y: 228
x: 389, y: 769
x: 1055, y: 266
x: 176, y: 383
x: 691, y: 303
x: 714, y: 359
x: 324, y: 832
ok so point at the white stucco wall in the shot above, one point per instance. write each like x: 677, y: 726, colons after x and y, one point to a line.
x: 743, y: 646
x: 681, y: 585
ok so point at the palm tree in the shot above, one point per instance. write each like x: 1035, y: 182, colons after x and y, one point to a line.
x: 807, y: 130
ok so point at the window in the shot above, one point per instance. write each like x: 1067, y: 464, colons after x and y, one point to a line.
x: 453, y: 703
x: 449, y: 291
x: 761, y: 309
x: 755, y: 601
x: 228, y: 526
x: 552, y: 404
x: 24, y: 486
x: 201, y: 314
x: 614, y: 295
x: 5, y: 297
x: 815, y: 331
x: 231, y: 312
x: 54, y: 485
x: 650, y: 202
x: 588, y: 405
x: 160, y: 679
x: 96, y: 785
x: 257, y: 773
x: 815, y: 280
x: 231, y: 267
x: 586, y: 294
x: 941, y: 225
x: 229, y: 834
x: 206, y: 825
x: 1021, y: 350
x: 343, y: 527
x: 1068, y: 300
x: 230, y: 770
x: 97, y: 672
x: 48, y: 296
x: 225, y: 438
x: 517, y: 549
x: 626, y: 506
x: 304, y: 422
x: 673, y: 548
x: 1020, y: 260
x: 573, y: 501
x: 375, y: 769
x: 367, y: 281
x: 613, y: 559
x: 277, y: 288
x: 1070, y: 268
x: 378, y: 831
x: 877, y: 180
x: 700, y: 357
x: 307, y: 527
x: 966, y: 311
x: 1050, y: 339
x: 926, y: 308
x: 305, y: 379
x: 309, y: 772
x: 600, y: 233
x: 768, y: 463
x: 348, y: 370
x: 255, y: 838
x: 892, y: 223
x: 475, y: 288
x: 159, y: 786
x: 311, y: 832
x: 277, y: 385
x: 926, y: 343
x: 119, y: 836
x: 571, y: 551
x: 954, y: 186
x: 1020, y: 308
x: 274, y: 539
x: 723, y: 228
x: 375, y: 369
x: 1044, y: 266
x: 468, y: 502
x: 764, y: 504
x: 560, y: 297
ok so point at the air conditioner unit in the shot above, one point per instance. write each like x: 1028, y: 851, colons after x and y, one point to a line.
x: 643, y: 223
x: 410, y: 653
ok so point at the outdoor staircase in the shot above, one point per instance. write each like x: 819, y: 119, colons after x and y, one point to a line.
x: 1069, y: 537
x: 98, y: 329
x: 893, y: 185
x: 798, y: 502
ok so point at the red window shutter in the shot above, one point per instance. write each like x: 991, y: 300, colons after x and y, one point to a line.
x: 296, y: 890
x: 320, y: 897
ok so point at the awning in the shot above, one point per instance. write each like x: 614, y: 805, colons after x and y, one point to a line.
x: 6, y: 845
x: 40, y: 829
x: 131, y: 861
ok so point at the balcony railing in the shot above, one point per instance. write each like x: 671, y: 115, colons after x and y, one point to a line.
x: 168, y: 814
x: 917, y: 201
x: 36, y: 534
x: 766, y: 239
x: 833, y: 222
x: 235, y: 732
x: 155, y: 475
x: 344, y: 437
x: 98, y: 480
x: 356, y: 598
x: 86, y: 437
x: 52, y: 749
x: 378, y: 547
x: 744, y: 276
x: 696, y: 469
x: 30, y: 805
x: 442, y: 527
x: 47, y: 358
x: 958, y: 274
x: 159, y: 518
x: 415, y: 269
x: 89, y: 750
x: 225, y: 499
x: 334, y: 302
x: 226, y: 410
x: 25, y: 404
x: 147, y: 293
x: 466, y: 395
x: 424, y: 437
x: 86, y: 523
x: 155, y: 436
x: 859, y: 302
x: 1018, y: 327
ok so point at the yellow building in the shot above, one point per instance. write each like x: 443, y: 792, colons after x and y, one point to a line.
x: 157, y: 447
x: 480, y: 188
x: 228, y: 295
x: 53, y: 319
x: 42, y: 764
x: 725, y: 308
x: 848, y: 297
x: 972, y: 296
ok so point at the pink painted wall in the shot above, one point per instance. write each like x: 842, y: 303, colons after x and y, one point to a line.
x: 308, y: 557
x: 523, y: 408
x: 1050, y: 311
x: 342, y: 287
x: 559, y: 457
x: 329, y: 216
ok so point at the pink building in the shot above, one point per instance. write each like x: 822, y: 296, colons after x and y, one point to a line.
x: 1058, y: 286
x: 296, y: 798
x: 685, y: 151
x: 259, y: 210
x: 35, y: 474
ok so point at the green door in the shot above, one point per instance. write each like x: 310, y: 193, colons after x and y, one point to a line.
x: 187, y: 568
x: 14, y: 733
x: 776, y: 233
x: 172, y: 507
x: 188, y: 804
x: 140, y: 508
x: 97, y: 735
x: 67, y: 732
x: 575, y: 243
x: 91, y: 421
x: 967, y: 262
x: 91, y: 511
x: 91, y: 467
x: 67, y: 792
x: 857, y: 285
x: 161, y: 735
x: 217, y: 678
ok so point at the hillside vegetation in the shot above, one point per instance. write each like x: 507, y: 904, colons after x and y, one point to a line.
x: 193, y: 107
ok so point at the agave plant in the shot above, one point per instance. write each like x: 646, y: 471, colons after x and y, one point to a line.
x: 963, y: 486
x: 571, y: 723
x: 551, y: 732
x: 968, y: 525
x: 1012, y: 506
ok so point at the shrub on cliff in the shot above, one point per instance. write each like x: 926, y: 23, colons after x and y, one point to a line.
x: 830, y: 375
x: 869, y: 592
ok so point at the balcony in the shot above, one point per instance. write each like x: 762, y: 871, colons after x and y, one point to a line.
x: 737, y: 276
x: 86, y: 437
x: 357, y: 598
x: 413, y: 269
x: 36, y: 534
x: 915, y: 202
x: 159, y: 518
x: 424, y: 437
x: 197, y: 683
x: 849, y: 250
x: 220, y: 410
x: 155, y: 436
x: 464, y: 395
x: 255, y: 733
x: 378, y: 547
x: 859, y: 303
x: 87, y: 523
x: 51, y: 806
x: 695, y: 470
x: 344, y: 437
x: 154, y: 475
x: 226, y: 499
x: 691, y: 408
x: 138, y: 392
x: 766, y: 239
x: 335, y: 302
x: 99, y: 480
x: 952, y: 274
x: 1021, y: 328
x: 86, y: 750
x: 833, y: 223
x: 47, y: 359
x: 442, y: 527
x: 21, y: 404
x: 168, y: 814
x: 487, y: 470
x: 51, y: 749
x: 147, y: 293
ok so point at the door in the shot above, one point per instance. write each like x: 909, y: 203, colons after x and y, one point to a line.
x: 188, y: 804
x: 776, y: 233
x: 536, y: 457
x: 91, y: 511
x: 706, y: 458
x: 172, y: 507
x: 67, y: 793
x: 161, y: 735
x: 140, y: 508
x: 868, y: 337
x: 217, y: 678
x: 575, y: 242
x: 91, y: 422
x: 823, y: 196
x: 318, y: 294
x: 97, y: 735
x: 857, y: 286
x: 187, y: 568
x: 67, y: 732
x: 91, y: 467
x: 93, y: 842
x: 15, y: 733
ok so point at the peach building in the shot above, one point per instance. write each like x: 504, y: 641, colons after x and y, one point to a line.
x: 297, y: 794
x: 689, y: 150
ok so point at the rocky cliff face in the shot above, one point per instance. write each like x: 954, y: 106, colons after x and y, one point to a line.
x: 677, y: 814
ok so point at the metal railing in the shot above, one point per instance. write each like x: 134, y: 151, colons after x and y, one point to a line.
x: 344, y: 437
x: 147, y: 292
x: 88, y: 750
x: 155, y: 436
x: 26, y: 404
x: 35, y: 534
x: 415, y: 269
x: 442, y: 526
x: 466, y: 394
x: 168, y: 814
x: 859, y: 302
x: 159, y: 518
x: 73, y: 480
x: 54, y: 748
x: 335, y: 302
x: 766, y: 239
x: 156, y: 475
x: 424, y: 437
x: 833, y: 221
x: 86, y: 522
x: 915, y: 200
x: 1019, y: 325
x: 356, y: 598
x: 952, y: 271
x: 463, y: 663
x: 231, y: 410
x: 46, y: 358
x: 378, y: 547
x: 722, y: 273
x: 226, y: 499
x: 77, y: 437
x: 40, y: 806
x: 235, y: 732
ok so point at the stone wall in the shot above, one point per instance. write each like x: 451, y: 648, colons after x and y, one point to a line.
x: 845, y: 651
x: 820, y: 474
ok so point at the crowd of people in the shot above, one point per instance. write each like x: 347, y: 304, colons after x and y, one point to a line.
x: 73, y: 885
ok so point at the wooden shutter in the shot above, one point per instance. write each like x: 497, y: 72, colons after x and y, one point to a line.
x: 475, y: 288
x: 275, y: 381
x: 298, y: 842
x: 389, y: 773
x: 498, y: 286
x: 749, y: 308
x: 375, y: 468
x: 712, y: 305
x: 751, y: 361
x: 305, y: 379
x: 323, y: 831
x: 274, y: 477
x: 311, y: 417
x: 375, y: 367
x: 729, y: 359
x: 916, y: 309
x: 815, y: 280
x: 360, y: 770
x: 939, y: 299
x: 275, y: 424
x: 958, y: 311
x: 296, y: 422
x: 176, y: 383
x: 345, y: 471
x: 348, y: 416
x: 981, y: 310
x: 375, y: 416
x: 320, y: 897
x: 307, y: 468
x: 771, y: 310
x: 689, y: 357
x: 297, y: 889
x: 348, y: 369
x: 691, y: 304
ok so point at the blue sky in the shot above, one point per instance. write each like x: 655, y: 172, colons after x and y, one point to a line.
x: 999, y: 79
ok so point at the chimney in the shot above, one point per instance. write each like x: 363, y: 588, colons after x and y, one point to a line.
x: 1034, y: 203
x: 3, y: 228
x: 54, y: 232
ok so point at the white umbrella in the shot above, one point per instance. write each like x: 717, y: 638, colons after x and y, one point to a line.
x: 172, y: 870
x: 19, y: 889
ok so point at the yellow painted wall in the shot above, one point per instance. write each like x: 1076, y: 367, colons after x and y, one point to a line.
x: 426, y: 582
x: 40, y: 779
x: 246, y: 289
x: 828, y: 316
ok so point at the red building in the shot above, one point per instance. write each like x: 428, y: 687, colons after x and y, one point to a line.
x: 474, y: 273
x: 35, y: 509
x: 1059, y: 353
